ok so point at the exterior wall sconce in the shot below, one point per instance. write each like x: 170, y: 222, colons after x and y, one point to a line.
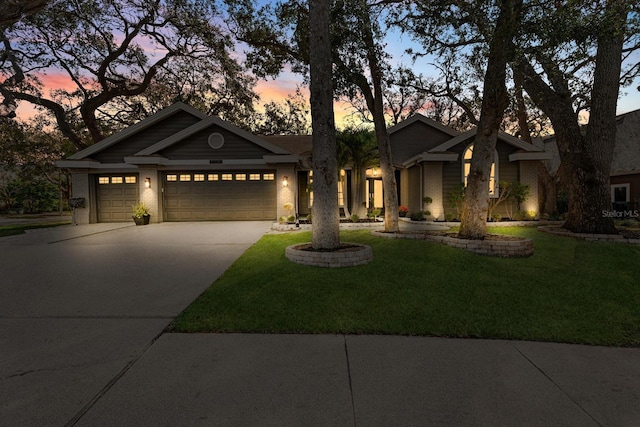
x: 285, y: 181
x: 147, y: 183
x: 375, y: 172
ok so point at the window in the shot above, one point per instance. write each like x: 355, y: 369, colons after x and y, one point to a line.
x: 268, y: 177
x: 116, y: 180
x: 130, y: 179
x: 186, y: 177
x: 213, y: 177
x: 198, y: 177
x: 216, y: 141
x: 241, y: 177
x: 172, y: 178
x: 227, y: 177
x: 466, y: 168
x: 254, y: 177
x: 619, y: 193
x: 620, y: 197
x: 103, y: 180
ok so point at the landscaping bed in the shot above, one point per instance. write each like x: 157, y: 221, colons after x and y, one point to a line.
x: 498, y: 245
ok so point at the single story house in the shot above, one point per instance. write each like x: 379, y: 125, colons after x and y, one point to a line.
x: 188, y: 166
x: 625, y: 165
x: 433, y: 160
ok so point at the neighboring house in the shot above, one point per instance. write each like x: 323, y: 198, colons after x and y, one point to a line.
x: 433, y: 159
x: 186, y: 166
x: 625, y: 167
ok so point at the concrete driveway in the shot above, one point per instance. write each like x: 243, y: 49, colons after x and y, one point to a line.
x: 79, y: 304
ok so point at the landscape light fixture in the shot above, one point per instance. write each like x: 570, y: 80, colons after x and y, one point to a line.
x: 147, y: 183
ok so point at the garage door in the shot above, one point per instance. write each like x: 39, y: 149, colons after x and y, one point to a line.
x: 204, y: 196
x: 116, y: 195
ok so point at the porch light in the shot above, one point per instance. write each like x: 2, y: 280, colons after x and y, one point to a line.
x: 375, y: 172
x: 147, y: 183
x: 285, y: 181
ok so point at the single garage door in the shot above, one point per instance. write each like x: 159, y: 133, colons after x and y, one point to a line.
x: 234, y: 195
x: 116, y: 195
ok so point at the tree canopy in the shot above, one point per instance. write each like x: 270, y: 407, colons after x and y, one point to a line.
x: 110, y: 53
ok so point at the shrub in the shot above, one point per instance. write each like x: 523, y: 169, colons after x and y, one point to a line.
x: 496, y: 217
x: 355, y: 218
x: 417, y: 216
x: 291, y: 218
x: 403, y: 209
x: 448, y: 217
x: 456, y: 198
x: 33, y: 196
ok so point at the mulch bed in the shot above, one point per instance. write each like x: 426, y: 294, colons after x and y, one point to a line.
x: 496, y: 237
x: 344, y: 247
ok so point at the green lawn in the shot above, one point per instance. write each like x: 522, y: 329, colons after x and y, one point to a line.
x: 569, y: 291
x: 11, y: 230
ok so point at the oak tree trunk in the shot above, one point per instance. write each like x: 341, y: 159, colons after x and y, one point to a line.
x: 586, y: 159
x: 591, y: 199
x: 326, y: 220
x: 376, y: 106
x: 494, y: 101
x: 359, y: 191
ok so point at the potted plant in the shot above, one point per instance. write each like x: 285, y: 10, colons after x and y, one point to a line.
x: 402, y: 211
x: 141, y: 214
x: 289, y: 218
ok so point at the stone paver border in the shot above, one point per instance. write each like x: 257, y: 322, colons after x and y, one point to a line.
x: 359, y: 255
x: 586, y: 236
x: 519, y: 248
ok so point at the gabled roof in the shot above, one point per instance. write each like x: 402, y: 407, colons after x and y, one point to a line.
x: 503, y: 136
x: 203, y: 124
x: 132, y: 130
x: 423, y: 119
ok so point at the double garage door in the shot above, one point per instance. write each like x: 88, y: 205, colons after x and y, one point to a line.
x: 194, y: 196
x: 220, y: 196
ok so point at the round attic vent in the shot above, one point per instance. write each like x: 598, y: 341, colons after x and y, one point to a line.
x: 216, y: 140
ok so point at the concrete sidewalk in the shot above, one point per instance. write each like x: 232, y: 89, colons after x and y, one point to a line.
x: 332, y: 380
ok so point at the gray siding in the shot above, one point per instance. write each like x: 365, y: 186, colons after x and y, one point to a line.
x: 147, y: 137
x: 415, y: 139
x: 197, y: 147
